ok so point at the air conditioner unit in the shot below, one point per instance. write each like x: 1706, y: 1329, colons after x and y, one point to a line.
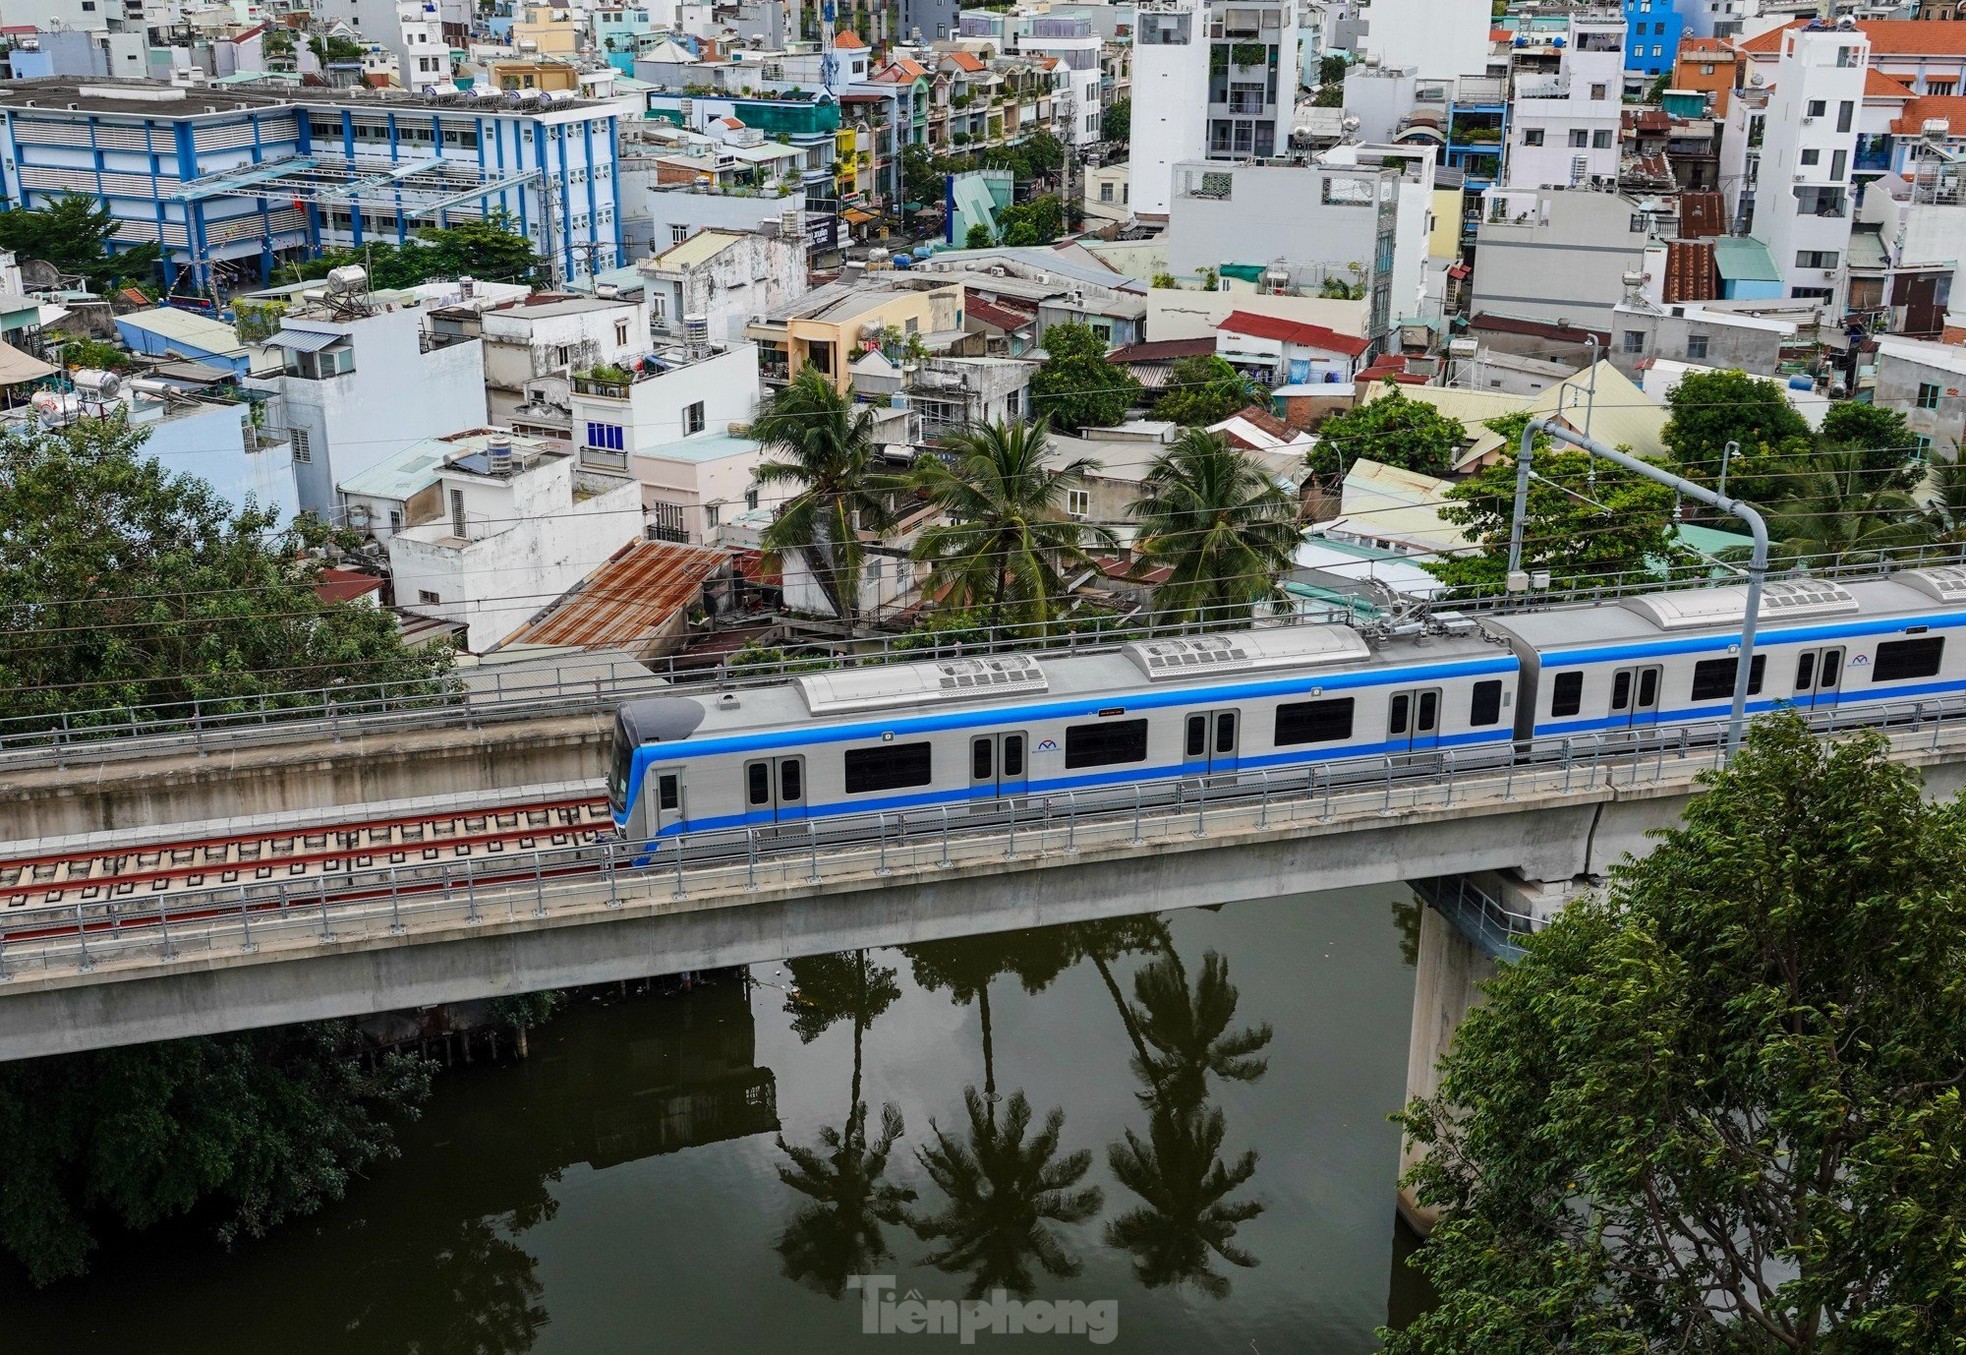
x: 1829, y: 272
x: 1808, y: 121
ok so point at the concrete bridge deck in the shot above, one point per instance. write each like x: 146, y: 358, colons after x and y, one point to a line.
x: 230, y: 960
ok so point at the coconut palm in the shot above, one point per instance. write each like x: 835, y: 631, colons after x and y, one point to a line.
x: 1003, y: 1194
x: 1219, y: 523
x: 1008, y: 539
x: 824, y: 444
x: 1944, y: 491
x: 1186, y: 1030
x: 1186, y: 1219
x: 839, y: 1233
x: 1836, y: 511
x: 965, y: 966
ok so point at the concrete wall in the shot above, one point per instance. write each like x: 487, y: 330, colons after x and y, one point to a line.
x: 1555, y: 256
x: 1446, y: 987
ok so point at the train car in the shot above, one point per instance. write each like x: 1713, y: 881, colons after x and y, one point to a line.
x: 1668, y: 659
x: 969, y: 732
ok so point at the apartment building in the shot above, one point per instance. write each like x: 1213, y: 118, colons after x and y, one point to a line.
x: 1567, y: 84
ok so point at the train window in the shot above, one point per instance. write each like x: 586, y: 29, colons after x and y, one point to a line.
x: 1621, y: 690
x: 1429, y: 714
x: 757, y: 782
x: 1396, y: 722
x: 1648, y: 688
x: 1713, y: 679
x: 887, y: 766
x: 1486, y: 706
x: 1899, y: 660
x: 622, y: 763
x: 791, y: 780
x: 1013, y: 755
x: 1106, y: 743
x: 1805, y: 670
x: 979, y: 760
x: 1567, y: 693
x: 1225, y: 732
x: 667, y: 794
x: 1314, y: 722
x: 1197, y: 736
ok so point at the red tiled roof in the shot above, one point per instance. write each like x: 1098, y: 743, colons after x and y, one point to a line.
x: 1161, y: 350
x: 627, y: 602
x: 1878, y: 85
x: 900, y: 69
x: 1701, y: 45
x: 1258, y: 417
x: 965, y: 61
x: 1290, y: 331
x: 1888, y: 37
x: 1499, y: 35
x: 1690, y: 272
x: 345, y: 585
x: 1951, y: 107
x: 848, y: 38
x: 1702, y: 215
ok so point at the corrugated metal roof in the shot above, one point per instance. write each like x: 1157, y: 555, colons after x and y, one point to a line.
x: 196, y: 331
x: 1743, y: 259
x: 1690, y: 273
x: 626, y: 602
x: 304, y: 340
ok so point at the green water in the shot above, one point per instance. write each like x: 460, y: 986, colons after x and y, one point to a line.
x: 624, y: 1188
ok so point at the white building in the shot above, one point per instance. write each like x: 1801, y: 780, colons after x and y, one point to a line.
x: 1924, y: 382
x: 410, y: 30
x: 725, y: 277
x: 694, y: 486
x: 1073, y: 41
x: 1441, y: 39
x: 533, y: 348
x: 1566, y: 106
x: 501, y: 527
x: 355, y: 392
x: 1802, y: 193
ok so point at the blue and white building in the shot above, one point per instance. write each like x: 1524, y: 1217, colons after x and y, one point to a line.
x: 230, y: 182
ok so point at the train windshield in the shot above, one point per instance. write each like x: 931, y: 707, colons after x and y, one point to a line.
x: 619, y: 765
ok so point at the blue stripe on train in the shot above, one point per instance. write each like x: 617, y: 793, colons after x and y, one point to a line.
x: 1872, y: 697
x: 1553, y: 657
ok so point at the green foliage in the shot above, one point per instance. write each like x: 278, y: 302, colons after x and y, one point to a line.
x: 1834, y: 509
x: 1117, y: 122
x: 1585, y: 524
x: 487, y: 249
x: 1006, y: 540
x: 823, y: 443
x: 1710, y: 408
x: 1167, y: 280
x: 337, y: 50
x: 1881, y: 434
x: 1337, y: 289
x: 74, y: 234
x: 1037, y: 222
x: 1331, y: 70
x: 253, y: 1129
x: 141, y: 588
x: 977, y: 237
x: 1224, y: 530
x: 256, y: 321
x: 1392, y: 430
x: 79, y: 351
x: 608, y: 371
x: 1720, y: 1110
x: 1077, y: 388
x: 528, y: 1011
x: 771, y: 660
x: 277, y: 42
x: 1656, y: 91
x: 1329, y: 96
x: 1204, y: 389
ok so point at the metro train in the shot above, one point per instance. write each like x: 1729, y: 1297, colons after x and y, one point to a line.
x: 971, y: 731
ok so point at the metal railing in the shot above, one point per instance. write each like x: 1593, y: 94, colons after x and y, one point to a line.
x: 353, y: 901
x: 1480, y: 916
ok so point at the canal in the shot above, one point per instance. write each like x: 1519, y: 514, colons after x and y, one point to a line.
x: 1179, y: 1121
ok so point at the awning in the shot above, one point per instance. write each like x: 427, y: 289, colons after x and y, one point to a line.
x: 16, y: 366
x: 304, y: 340
x: 857, y: 217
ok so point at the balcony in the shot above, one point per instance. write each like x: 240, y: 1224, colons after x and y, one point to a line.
x: 1542, y: 87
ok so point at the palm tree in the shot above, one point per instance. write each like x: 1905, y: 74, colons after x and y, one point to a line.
x: 1187, y: 1217
x: 1186, y: 1031
x: 1008, y: 536
x: 1217, y: 521
x: 1945, y: 501
x: 839, y: 1233
x: 825, y: 445
x: 1003, y: 1194
x: 1837, y: 511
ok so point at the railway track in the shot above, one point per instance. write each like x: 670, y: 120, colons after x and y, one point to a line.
x: 417, y: 842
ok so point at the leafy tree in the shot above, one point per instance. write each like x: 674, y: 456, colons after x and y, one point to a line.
x: 1117, y: 122
x: 755, y: 658
x: 1656, y: 91
x: 921, y: 176
x: 1880, y: 433
x: 1836, y: 510
x: 1077, y: 388
x: 1392, y: 430
x: 978, y: 237
x: 1007, y: 537
x: 1004, y: 1192
x: 487, y: 249
x: 1329, y: 96
x: 1711, y: 408
x: 1586, y: 524
x: 337, y: 50
x: 1331, y: 70
x: 1720, y: 1109
x: 1204, y: 389
x: 74, y: 233
x: 1222, y: 527
x: 277, y: 42
x: 253, y: 1129
x: 1945, y: 510
x: 1037, y: 222
x: 823, y: 443
x: 128, y: 588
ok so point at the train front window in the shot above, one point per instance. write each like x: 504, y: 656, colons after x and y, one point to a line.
x: 620, y: 765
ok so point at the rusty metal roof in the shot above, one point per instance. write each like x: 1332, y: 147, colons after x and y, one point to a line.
x: 1690, y: 272
x: 627, y: 602
x: 1702, y: 215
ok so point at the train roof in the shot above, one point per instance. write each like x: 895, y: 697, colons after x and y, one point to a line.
x: 1719, y: 609
x: 972, y: 682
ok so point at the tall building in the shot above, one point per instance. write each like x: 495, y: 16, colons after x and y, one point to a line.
x: 1218, y: 81
x: 232, y: 181
x: 1567, y: 84
x: 1653, y: 29
x: 1438, y: 39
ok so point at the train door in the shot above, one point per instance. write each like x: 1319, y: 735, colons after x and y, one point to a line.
x: 775, y: 790
x: 665, y: 788
x: 1413, y: 720
x: 996, y: 766
x: 1210, y: 740
x: 1819, y: 678
x: 1635, y: 697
